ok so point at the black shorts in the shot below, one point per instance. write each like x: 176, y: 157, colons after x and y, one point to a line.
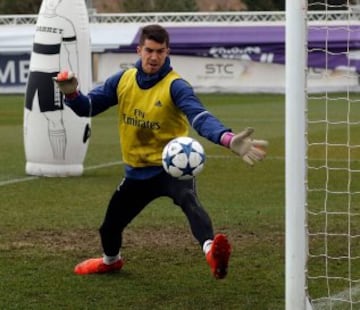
x: 49, y: 96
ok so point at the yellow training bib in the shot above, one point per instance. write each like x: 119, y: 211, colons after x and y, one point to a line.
x: 148, y: 119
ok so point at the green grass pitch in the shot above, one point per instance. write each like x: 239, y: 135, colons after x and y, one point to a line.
x: 47, y: 225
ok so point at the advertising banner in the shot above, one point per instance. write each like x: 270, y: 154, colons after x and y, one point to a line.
x: 226, y: 57
x: 208, y: 75
x: 14, y: 72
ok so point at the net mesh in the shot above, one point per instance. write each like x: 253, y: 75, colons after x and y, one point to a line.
x: 333, y: 157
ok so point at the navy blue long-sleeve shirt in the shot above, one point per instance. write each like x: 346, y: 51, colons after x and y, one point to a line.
x: 104, y: 96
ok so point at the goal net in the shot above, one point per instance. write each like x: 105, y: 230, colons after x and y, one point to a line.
x: 333, y: 163
x: 328, y: 191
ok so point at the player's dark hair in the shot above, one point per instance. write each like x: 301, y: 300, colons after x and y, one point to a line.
x: 156, y: 33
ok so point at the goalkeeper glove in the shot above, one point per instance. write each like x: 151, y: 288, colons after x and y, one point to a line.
x: 242, y: 144
x: 67, y: 83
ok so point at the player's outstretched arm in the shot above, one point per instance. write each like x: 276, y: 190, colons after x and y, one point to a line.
x: 242, y: 144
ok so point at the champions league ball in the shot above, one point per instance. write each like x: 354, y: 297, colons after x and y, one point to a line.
x: 183, y: 158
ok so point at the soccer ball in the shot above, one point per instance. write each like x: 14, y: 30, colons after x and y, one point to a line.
x: 183, y: 158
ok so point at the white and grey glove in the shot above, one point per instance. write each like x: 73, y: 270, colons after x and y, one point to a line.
x: 67, y: 83
x: 249, y: 149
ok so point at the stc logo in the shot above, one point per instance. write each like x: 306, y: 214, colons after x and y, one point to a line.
x: 219, y: 69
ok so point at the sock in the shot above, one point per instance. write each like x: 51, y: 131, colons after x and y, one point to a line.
x: 207, y: 246
x: 108, y: 260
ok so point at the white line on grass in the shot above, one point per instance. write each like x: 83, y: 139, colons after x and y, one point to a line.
x: 114, y: 163
x: 8, y: 182
x: 26, y: 179
x: 110, y: 164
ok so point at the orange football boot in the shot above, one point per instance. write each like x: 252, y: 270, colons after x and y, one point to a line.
x: 218, y: 256
x: 96, y: 265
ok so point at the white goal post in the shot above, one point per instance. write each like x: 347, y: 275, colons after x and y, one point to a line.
x: 322, y: 142
x: 295, y: 99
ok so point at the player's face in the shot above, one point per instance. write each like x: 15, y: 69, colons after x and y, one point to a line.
x: 152, y: 55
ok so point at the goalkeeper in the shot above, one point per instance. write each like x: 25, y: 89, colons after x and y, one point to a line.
x: 155, y: 105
